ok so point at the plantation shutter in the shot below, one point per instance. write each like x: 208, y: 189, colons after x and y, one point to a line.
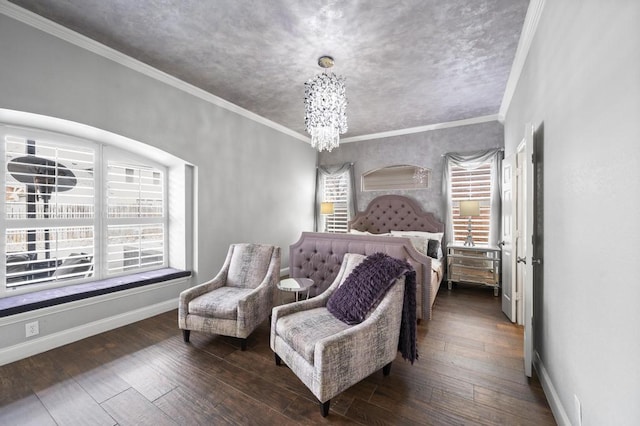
x: 336, y: 190
x: 136, y: 217
x: 471, y: 184
x: 49, y: 211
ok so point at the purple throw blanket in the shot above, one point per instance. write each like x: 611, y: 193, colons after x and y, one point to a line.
x: 367, y: 285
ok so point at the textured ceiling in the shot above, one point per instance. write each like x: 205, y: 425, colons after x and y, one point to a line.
x: 407, y: 63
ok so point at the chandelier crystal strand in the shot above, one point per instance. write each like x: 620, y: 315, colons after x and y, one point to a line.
x: 325, y: 110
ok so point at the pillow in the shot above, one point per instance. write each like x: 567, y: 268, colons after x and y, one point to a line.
x: 433, y: 249
x: 365, y: 287
x: 356, y: 232
x: 419, y: 243
x: 429, y: 235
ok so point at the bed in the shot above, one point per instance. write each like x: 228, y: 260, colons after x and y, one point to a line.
x: 391, y: 224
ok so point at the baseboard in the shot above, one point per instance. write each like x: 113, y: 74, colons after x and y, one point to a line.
x: 45, y: 343
x: 559, y: 413
x: 284, y: 272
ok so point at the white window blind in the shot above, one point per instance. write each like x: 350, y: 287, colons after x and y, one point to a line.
x: 135, y: 205
x: 49, y: 211
x: 471, y: 184
x: 336, y: 191
x: 54, y: 185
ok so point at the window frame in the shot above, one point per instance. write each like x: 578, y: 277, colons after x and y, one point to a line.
x: 121, y: 156
x: 103, y: 152
x: 471, y: 183
x: 338, y: 221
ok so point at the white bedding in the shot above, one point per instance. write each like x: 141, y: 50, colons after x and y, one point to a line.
x: 419, y: 240
x: 437, y: 267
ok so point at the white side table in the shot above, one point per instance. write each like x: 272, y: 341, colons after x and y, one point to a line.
x: 296, y: 285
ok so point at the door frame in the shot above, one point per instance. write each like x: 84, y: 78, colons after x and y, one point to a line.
x: 526, y: 197
x: 508, y: 240
x: 526, y: 236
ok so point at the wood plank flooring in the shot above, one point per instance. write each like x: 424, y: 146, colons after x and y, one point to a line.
x: 469, y: 373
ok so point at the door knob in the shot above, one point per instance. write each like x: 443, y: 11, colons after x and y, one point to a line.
x: 521, y: 260
x: 535, y: 261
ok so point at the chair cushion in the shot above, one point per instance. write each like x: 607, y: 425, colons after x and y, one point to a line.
x: 302, y: 330
x: 249, y: 265
x: 219, y: 303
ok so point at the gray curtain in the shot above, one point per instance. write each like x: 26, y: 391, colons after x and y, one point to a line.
x: 323, y: 171
x: 472, y: 161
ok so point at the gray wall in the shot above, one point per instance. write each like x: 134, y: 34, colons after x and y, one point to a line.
x: 254, y: 184
x: 420, y: 149
x: 582, y: 80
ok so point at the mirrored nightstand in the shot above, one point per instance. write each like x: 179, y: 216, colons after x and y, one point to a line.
x: 477, y: 264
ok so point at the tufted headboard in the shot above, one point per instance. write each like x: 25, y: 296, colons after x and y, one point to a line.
x: 395, y: 213
x: 318, y: 255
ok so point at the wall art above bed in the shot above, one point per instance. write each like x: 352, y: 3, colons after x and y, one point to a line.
x: 396, y: 177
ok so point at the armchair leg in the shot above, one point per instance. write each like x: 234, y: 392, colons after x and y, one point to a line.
x: 278, y: 359
x: 386, y: 369
x: 185, y: 335
x: 243, y: 344
x: 324, y: 408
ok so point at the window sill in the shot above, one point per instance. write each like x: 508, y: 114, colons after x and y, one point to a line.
x: 42, y: 299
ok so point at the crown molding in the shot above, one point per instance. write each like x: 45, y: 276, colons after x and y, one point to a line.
x: 420, y: 129
x: 57, y: 30
x: 529, y: 29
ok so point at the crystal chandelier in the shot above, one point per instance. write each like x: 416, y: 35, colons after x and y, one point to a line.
x: 325, y: 107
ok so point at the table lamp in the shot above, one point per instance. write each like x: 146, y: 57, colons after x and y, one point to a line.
x: 469, y: 208
x: 326, y: 209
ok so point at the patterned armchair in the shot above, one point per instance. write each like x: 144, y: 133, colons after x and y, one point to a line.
x: 238, y: 299
x: 328, y: 355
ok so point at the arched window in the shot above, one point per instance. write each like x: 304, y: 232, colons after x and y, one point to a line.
x: 78, y: 210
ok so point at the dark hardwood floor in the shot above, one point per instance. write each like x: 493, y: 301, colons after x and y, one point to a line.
x: 469, y: 372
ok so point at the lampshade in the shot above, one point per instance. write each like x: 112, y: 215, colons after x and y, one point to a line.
x: 326, y: 208
x: 325, y: 108
x: 469, y: 208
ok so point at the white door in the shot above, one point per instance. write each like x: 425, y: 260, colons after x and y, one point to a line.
x: 519, y: 217
x: 508, y: 233
x: 527, y: 245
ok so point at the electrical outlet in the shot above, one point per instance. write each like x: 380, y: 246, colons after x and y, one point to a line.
x: 578, y: 409
x: 31, y: 329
